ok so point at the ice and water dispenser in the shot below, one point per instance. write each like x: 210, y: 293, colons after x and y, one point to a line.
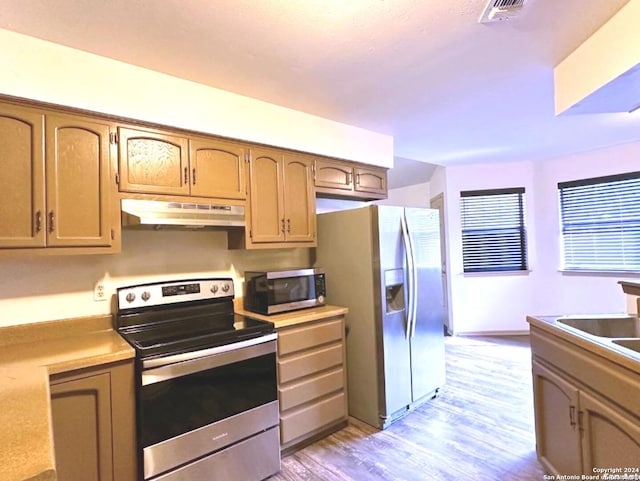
x: 394, y: 289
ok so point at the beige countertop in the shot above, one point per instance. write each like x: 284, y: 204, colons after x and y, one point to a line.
x: 601, y: 346
x: 26, y: 451
x: 29, y: 353
x: 294, y: 317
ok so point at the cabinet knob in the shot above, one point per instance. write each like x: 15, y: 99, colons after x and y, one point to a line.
x: 282, y: 225
x: 193, y: 176
x: 289, y: 226
x: 186, y: 175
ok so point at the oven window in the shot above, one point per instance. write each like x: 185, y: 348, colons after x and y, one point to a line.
x: 292, y: 289
x: 176, y: 406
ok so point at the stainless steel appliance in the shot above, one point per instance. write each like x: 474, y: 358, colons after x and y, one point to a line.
x: 272, y: 292
x: 206, y: 382
x: 383, y: 263
x: 160, y: 214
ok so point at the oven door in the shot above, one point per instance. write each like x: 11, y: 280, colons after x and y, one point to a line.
x: 193, y: 404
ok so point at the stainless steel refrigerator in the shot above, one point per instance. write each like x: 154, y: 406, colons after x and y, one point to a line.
x: 383, y: 263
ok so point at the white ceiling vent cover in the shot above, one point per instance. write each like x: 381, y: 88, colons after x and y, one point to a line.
x: 500, y: 10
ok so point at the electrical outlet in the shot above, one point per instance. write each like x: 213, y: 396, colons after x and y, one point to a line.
x: 99, y: 293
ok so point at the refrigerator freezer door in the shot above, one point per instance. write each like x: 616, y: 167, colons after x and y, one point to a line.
x: 427, y: 342
x: 393, y: 346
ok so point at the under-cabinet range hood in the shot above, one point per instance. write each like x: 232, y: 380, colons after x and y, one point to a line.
x: 158, y: 214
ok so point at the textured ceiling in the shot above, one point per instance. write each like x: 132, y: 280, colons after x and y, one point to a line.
x: 450, y: 90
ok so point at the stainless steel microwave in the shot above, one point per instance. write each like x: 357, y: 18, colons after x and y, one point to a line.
x: 273, y: 292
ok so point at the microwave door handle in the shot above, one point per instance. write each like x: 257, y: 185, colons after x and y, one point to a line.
x: 407, y: 251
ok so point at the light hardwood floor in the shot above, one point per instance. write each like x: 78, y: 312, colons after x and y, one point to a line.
x: 480, y: 427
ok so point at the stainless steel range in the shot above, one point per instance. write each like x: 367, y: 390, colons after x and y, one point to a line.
x: 206, y: 382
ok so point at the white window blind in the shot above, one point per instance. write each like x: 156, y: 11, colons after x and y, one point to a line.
x: 600, y: 220
x: 493, y: 230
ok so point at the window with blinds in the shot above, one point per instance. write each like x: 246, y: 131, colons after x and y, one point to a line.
x: 600, y: 221
x: 493, y: 230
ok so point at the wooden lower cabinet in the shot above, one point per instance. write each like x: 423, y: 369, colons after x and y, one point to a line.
x: 311, y: 381
x: 93, y: 424
x: 557, y: 432
x: 581, y: 427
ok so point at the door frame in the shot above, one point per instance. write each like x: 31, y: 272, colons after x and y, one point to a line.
x: 437, y: 202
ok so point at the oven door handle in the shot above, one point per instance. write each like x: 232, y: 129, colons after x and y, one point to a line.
x: 183, y: 364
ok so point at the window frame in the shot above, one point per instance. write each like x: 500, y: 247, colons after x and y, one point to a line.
x: 571, y: 188
x: 502, y: 232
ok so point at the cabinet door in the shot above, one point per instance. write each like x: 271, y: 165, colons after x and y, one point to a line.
x: 82, y: 433
x: 299, y: 199
x: 21, y: 177
x: 611, y: 439
x: 217, y: 169
x: 334, y: 175
x: 152, y: 162
x: 78, y: 182
x: 371, y: 180
x: 557, y: 430
x: 267, y: 196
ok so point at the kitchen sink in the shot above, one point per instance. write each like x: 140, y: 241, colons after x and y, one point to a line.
x: 605, y: 326
x: 633, y: 344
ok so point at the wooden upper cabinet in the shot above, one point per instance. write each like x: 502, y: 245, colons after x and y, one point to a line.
x: 153, y: 162
x: 282, y: 199
x: 217, y: 169
x: 22, y: 208
x: 299, y: 198
x: 334, y: 175
x: 77, y: 182
x: 267, y: 220
x: 343, y: 179
x: 371, y: 179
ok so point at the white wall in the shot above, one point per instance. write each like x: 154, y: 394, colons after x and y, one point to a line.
x: 495, y: 301
x: 411, y: 196
x: 481, y: 303
x: 570, y: 293
x: 41, y: 288
x: 500, y: 302
x: 39, y: 70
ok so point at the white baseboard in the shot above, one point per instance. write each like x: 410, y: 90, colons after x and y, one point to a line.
x: 492, y: 333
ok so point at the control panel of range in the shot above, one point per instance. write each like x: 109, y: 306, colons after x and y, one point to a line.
x: 163, y: 293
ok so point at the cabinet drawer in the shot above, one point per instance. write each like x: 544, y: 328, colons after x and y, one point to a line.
x: 297, y: 339
x: 313, y: 417
x: 309, y: 363
x: 302, y: 392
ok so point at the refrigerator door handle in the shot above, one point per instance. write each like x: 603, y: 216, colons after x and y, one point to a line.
x: 410, y: 271
x: 414, y: 280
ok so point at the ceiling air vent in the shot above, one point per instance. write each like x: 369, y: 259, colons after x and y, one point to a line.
x: 501, y: 10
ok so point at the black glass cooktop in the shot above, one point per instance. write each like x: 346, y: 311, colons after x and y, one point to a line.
x: 162, y: 332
